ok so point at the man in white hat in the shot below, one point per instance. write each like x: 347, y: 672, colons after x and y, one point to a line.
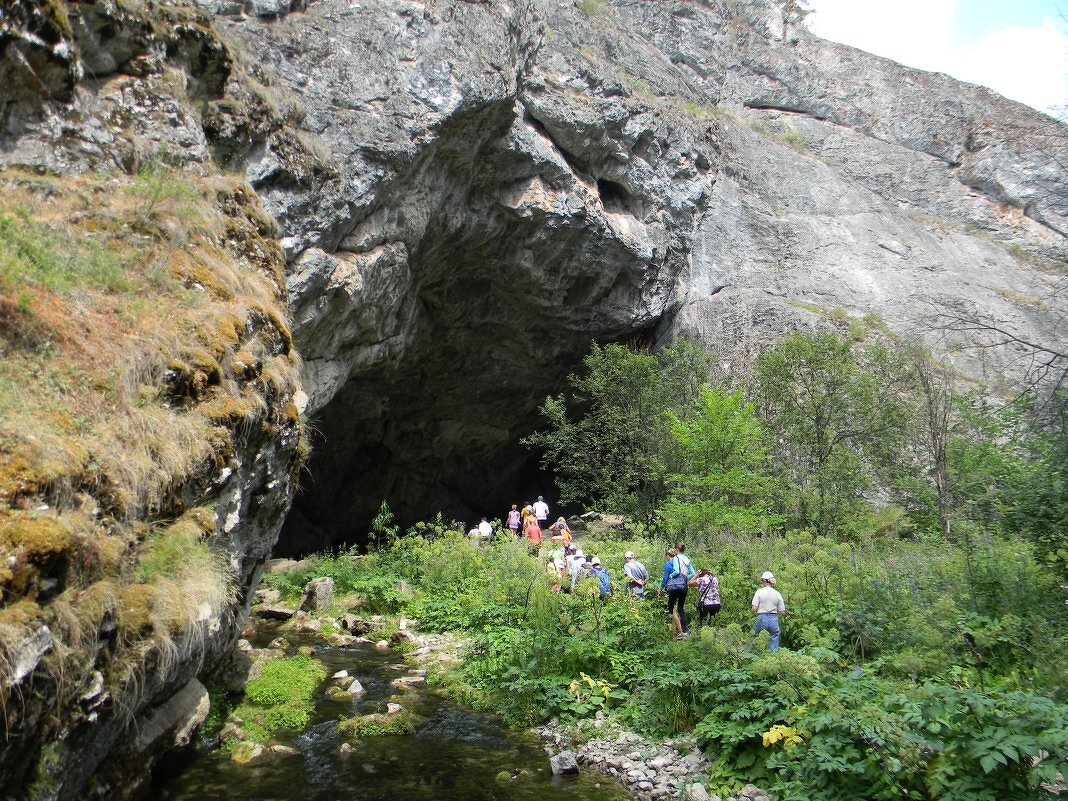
x: 636, y: 574
x: 768, y: 606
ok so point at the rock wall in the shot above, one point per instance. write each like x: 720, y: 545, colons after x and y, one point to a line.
x: 107, y: 111
x: 469, y: 192
x: 511, y: 180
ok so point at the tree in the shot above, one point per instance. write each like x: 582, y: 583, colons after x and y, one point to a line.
x: 722, y: 477
x: 839, y: 413
x: 936, y: 384
x: 606, y: 445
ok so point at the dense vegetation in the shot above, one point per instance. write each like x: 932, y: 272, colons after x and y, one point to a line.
x: 917, y: 532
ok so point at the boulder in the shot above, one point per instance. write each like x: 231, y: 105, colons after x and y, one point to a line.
x: 175, y: 720
x: 275, y: 612
x: 318, y: 595
x: 344, y: 640
x: 354, y: 623
x: 564, y: 764
x: 266, y: 595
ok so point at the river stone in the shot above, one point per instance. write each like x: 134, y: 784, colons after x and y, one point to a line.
x: 318, y: 595
x: 175, y: 719
x: 344, y: 640
x: 393, y: 708
x: 564, y: 764
x: 697, y: 792
x: 356, y: 688
x: 275, y: 612
x: 354, y: 623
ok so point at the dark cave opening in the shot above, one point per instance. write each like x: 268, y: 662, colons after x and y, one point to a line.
x: 337, y: 502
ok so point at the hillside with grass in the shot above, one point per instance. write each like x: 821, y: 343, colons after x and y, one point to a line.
x: 149, y: 437
x: 825, y: 299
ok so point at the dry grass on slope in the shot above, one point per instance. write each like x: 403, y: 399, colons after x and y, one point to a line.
x: 142, y: 340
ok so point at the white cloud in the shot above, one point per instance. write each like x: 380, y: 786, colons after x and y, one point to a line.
x: 1026, y: 64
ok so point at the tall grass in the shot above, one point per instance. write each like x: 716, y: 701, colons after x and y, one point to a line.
x: 142, y: 338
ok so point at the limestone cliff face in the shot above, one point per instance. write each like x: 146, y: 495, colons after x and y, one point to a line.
x: 508, y: 181
x: 467, y: 193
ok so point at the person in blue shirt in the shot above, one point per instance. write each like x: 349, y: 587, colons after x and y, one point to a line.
x: 601, y: 574
x: 678, y: 570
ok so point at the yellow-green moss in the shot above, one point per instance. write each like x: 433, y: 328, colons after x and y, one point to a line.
x: 377, y: 725
x: 39, y: 538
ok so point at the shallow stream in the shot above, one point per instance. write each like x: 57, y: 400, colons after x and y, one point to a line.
x: 455, y: 754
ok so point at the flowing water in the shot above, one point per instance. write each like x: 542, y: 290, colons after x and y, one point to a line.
x: 455, y: 754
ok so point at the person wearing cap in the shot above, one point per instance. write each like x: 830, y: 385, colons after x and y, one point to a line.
x: 768, y: 606
x: 576, y: 562
x: 636, y: 575
x: 601, y: 574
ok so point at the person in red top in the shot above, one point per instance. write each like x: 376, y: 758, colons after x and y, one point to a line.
x: 533, y: 530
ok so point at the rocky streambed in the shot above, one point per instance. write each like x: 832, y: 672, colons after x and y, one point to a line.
x: 442, y: 750
x: 376, y: 730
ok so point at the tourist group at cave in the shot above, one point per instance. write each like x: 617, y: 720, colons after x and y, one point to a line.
x: 566, y: 565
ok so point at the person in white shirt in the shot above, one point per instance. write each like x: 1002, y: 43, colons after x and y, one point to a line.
x: 485, y: 529
x: 541, y: 511
x: 768, y: 606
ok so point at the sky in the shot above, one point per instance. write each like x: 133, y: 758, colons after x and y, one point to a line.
x: 1019, y: 48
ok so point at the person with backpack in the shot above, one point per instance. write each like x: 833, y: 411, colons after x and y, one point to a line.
x: 636, y: 575
x: 708, y: 600
x: 576, y: 564
x: 602, y: 576
x: 678, y: 571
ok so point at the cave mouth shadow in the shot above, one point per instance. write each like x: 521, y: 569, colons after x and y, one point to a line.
x: 325, y: 517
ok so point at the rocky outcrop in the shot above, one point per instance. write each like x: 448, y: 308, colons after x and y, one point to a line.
x: 502, y: 183
x: 134, y: 526
x: 468, y: 193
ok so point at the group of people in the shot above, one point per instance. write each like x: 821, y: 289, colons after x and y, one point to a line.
x: 566, y: 565
x: 679, y: 575
x: 531, y: 522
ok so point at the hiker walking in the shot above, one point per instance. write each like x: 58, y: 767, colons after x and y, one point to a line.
x: 708, y: 601
x: 636, y: 575
x: 604, y: 580
x: 541, y: 511
x: 678, y: 571
x: 768, y: 606
x: 514, y: 519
